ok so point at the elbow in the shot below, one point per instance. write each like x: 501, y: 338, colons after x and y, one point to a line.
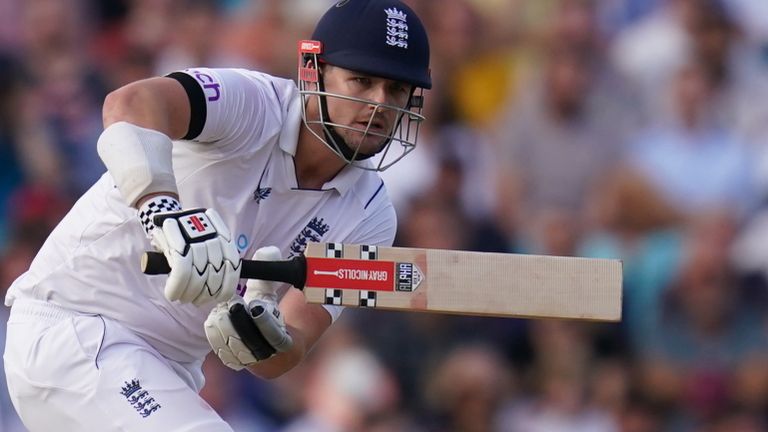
x: 116, y: 105
x: 128, y: 103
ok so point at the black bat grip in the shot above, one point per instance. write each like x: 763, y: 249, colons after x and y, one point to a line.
x: 292, y: 271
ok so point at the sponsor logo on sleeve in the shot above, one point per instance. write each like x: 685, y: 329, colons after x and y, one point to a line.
x: 211, y: 87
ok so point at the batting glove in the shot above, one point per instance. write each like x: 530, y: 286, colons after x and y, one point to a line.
x: 204, y: 261
x: 247, y: 330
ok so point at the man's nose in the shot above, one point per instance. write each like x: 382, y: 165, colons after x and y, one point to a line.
x: 379, y: 95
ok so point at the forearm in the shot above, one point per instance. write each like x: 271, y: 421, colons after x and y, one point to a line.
x: 284, y: 361
x: 306, y: 323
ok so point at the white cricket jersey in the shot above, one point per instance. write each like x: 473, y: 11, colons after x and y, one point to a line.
x: 241, y: 164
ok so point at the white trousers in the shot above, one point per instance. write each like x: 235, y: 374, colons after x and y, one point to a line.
x: 74, y: 372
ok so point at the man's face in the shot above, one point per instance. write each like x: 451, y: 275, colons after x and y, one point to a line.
x: 376, y: 119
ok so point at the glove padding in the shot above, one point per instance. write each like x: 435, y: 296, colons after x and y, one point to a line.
x: 247, y: 330
x: 204, y: 261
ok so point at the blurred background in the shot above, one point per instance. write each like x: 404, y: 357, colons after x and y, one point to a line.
x: 632, y: 129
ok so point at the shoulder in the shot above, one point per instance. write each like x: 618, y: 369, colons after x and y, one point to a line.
x: 370, y: 192
x: 235, y: 108
x: 216, y: 80
x: 379, y: 220
x: 277, y: 86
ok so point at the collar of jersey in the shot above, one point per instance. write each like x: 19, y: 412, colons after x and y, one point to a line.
x: 289, y: 136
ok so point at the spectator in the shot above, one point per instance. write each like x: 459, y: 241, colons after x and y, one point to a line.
x: 555, y: 147
x: 707, y: 351
x: 629, y: 220
x: 557, y: 398
x: 648, y: 51
x: 470, y: 390
x: 68, y: 89
x: 194, y: 39
x: 348, y: 391
x: 734, y: 69
x: 694, y: 162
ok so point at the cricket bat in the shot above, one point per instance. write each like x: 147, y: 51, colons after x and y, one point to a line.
x: 444, y: 281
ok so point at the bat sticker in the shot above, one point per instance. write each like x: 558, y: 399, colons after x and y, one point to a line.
x: 408, y: 277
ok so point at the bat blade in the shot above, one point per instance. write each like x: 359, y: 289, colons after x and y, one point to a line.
x: 460, y: 282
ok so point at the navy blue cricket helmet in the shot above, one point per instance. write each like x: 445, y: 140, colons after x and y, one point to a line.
x: 382, y: 38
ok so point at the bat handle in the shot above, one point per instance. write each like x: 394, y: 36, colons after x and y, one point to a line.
x: 154, y: 263
x: 292, y: 271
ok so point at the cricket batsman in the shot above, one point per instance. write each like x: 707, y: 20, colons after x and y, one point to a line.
x: 209, y: 166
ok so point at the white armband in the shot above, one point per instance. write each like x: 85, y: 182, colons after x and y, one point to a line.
x: 138, y: 159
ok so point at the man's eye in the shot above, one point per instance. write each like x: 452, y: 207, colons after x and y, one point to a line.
x: 400, y: 88
x: 362, y: 80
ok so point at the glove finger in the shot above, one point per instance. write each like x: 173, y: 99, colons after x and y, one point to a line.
x: 229, y: 253
x: 218, y: 224
x: 232, y: 268
x: 199, y: 272
x: 261, y: 289
x: 211, y: 287
x: 229, y: 249
x: 173, y: 236
x: 215, y: 280
x: 217, y: 270
x: 212, y: 332
x: 229, y: 282
x: 216, y: 326
x: 157, y: 238
x: 180, y: 275
x: 199, y: 252
x: 214, y: 250
x: 273, y: 329
x: 267, y: 253
x: 196, y: 287
x: 236, y: 341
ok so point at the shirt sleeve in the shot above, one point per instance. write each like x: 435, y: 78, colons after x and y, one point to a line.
x: 333, y: 311
x: 379, y: 225
x: 229, y: 107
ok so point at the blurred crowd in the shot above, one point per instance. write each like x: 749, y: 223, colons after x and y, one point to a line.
x: 631, y: 129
